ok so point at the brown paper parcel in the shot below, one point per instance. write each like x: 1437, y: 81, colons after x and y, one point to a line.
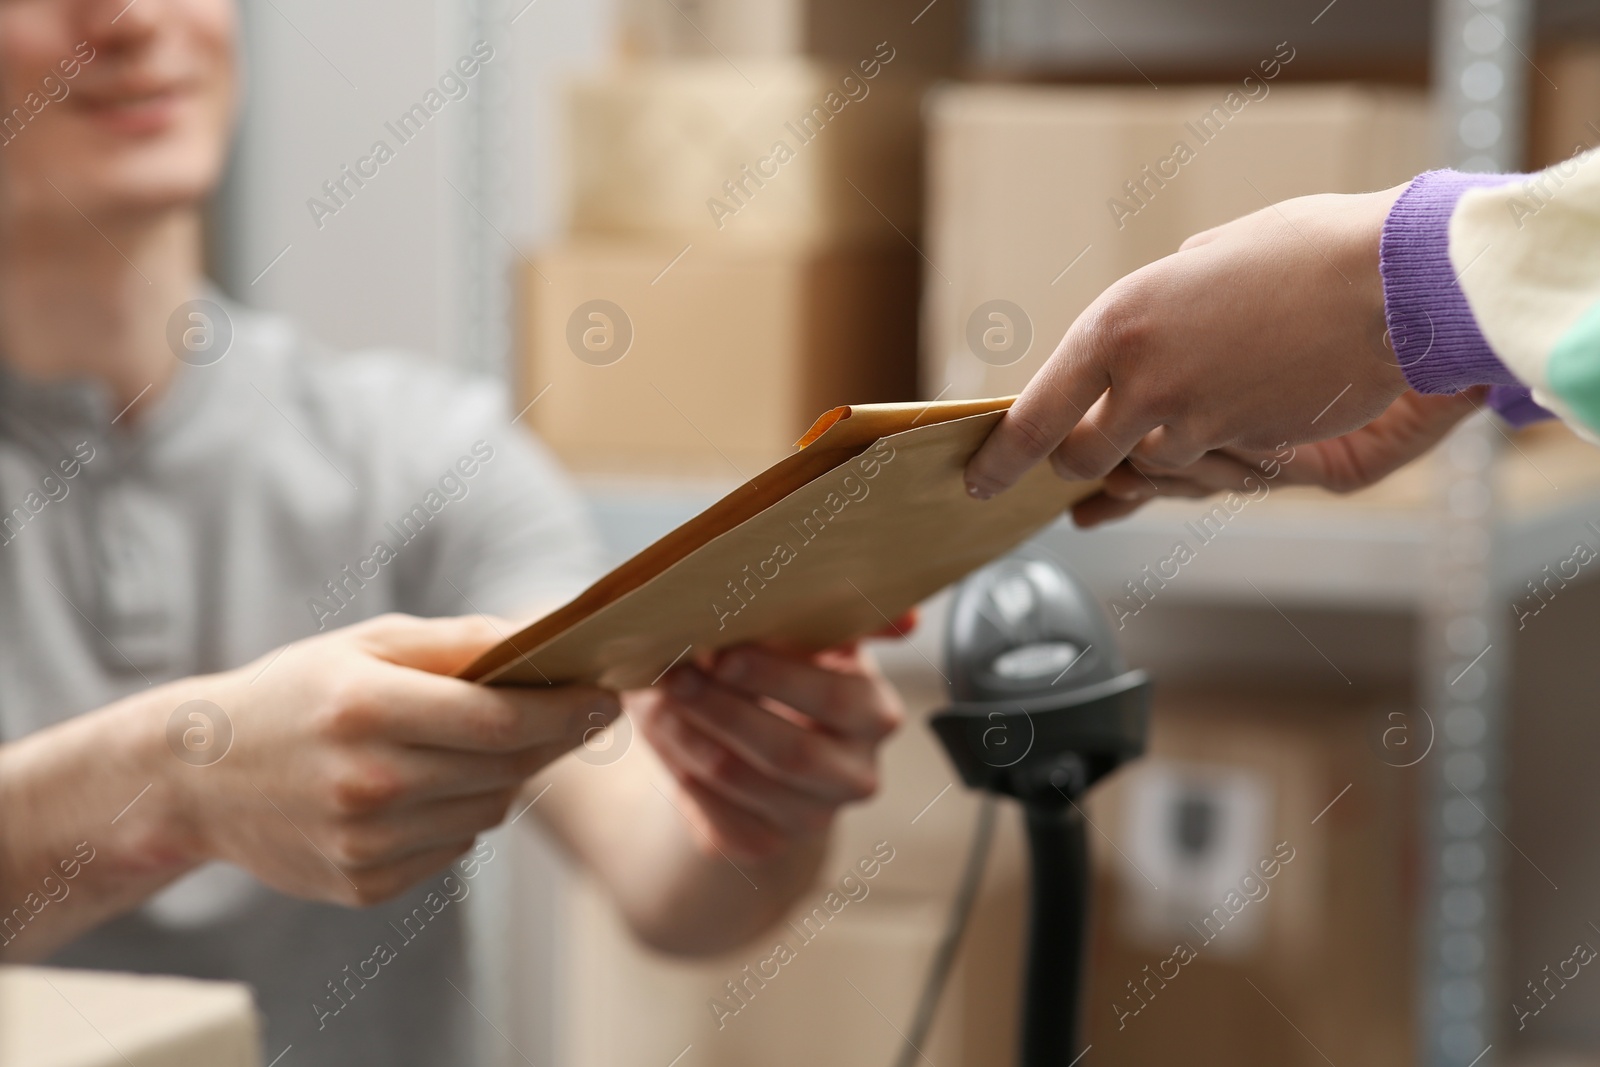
x: 869, y: 518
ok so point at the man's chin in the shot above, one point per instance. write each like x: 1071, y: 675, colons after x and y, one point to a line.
x: 131, y: 193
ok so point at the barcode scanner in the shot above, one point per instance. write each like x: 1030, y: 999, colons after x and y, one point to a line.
x: 1042, y: 707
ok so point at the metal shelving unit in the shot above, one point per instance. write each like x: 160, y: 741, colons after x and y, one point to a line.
x: 1481, y: 69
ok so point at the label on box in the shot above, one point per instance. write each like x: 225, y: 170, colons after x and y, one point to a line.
x: 1194, y: 837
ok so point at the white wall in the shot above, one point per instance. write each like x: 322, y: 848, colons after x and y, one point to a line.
x: 323, y: 80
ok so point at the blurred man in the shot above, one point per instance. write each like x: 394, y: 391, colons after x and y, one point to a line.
x: 205, y: 764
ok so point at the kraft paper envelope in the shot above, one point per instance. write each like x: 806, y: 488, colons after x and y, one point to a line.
x: 869, y: 518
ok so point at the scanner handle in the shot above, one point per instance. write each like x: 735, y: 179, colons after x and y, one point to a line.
x: 1058, y: 928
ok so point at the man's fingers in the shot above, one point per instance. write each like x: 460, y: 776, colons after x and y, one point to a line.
x: 804, y: 759
x: 438, y: 646
x: 395, y: 835
x: 900, y: 627
x: 437, y: 711
x: 696, y: 754
x: 1039, y: 420
x: 384, y: 883
x: 431, y: 774
x: 847, y: 704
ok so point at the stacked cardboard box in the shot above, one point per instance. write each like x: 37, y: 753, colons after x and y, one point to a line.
x: 741, y: 252
x: 933, y: 35
x: 1039, y: 198
x: 800, y: 152
x: 1256, y: 846
x: 1565, y: 102
x: 732, y: 353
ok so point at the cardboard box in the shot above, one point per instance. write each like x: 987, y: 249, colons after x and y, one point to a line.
x: 1552, y: 802
x: 1235, y: 778
x: 706, y: 360
x: 778, y: 150
x: 98, y: 1019
x: 1042, y: 197
x: 932, y: 36
x: 1566, y: 120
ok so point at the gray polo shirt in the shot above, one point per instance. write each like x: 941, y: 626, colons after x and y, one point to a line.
x: 245, y: 509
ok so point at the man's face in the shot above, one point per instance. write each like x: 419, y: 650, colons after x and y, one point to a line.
x: 118, y: 106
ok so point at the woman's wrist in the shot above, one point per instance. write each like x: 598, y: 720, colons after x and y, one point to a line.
x: 1432, y: 329
x: 1376, y: 209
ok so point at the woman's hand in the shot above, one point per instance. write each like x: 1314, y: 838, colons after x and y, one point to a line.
x: 1268, y: 329
x: 1412, y: 425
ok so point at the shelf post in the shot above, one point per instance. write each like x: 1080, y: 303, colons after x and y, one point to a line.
x: 1481, y: 64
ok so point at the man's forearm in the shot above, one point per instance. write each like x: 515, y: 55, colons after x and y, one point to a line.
x: 87, y: 825
x: 676, y: 891
x: 707, y: 832
x: 704, y: 902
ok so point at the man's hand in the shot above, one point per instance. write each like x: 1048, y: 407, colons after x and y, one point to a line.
x: 345, y: 768
x: 767, y: 745
x: 359, y: 766
x: 1412, y: 425
x: 1268, y: 329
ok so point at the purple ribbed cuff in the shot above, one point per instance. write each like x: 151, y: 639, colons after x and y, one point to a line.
x: 1516, y: 405
x: 1435, y: 336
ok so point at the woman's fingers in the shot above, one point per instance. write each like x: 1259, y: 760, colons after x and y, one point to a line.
x: 1130, y: 486
x: 1244, y: 336
x: 1165, y: 447
x: 1101, y: 439
x: 1048, y: 410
